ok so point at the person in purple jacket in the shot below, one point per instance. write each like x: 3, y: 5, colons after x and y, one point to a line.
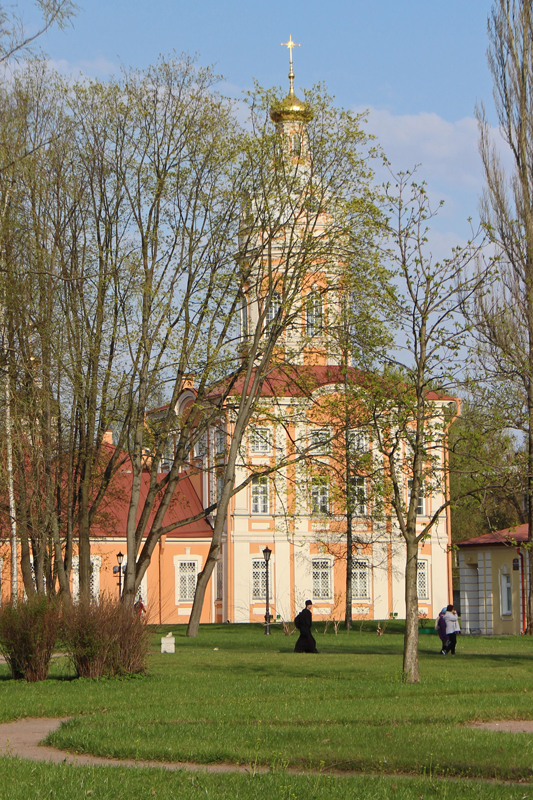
x: 440, y: 626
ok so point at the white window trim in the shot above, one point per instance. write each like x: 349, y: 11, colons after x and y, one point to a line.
x: 358, y: 441
x: 256, y: 441
x: 96, y: 562
x: 505, y: 580
x: 320, y: 442
x: 366, y: 563
x: 421, y: 508
x: 267, y: 484
x: 273, y: 308
x: 183, y: 559
x: 329, y: 560
x: 320, y: 484
x: 255, y: 600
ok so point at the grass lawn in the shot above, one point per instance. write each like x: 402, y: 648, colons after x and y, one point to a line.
x: 253, y: 701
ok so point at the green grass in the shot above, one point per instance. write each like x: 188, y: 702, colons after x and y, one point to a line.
x: 24, y: 781
x: 253, y: 701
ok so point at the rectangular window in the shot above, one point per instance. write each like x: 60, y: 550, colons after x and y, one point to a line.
x: 260, y: 440
x: 506, y: 595
x: 201, y: 447
x: 359, y: 495
x: 314, y: 314
x: 260, y: 499
x: 321, y: 579
x: 320, y: 442
x: 220, y: 486
x: 273, y: 308
x: 186, y: 580
x: 259, y: 572
x: 319, y: 496
x: 94, y: 580
x: 357, y: 442
x: 422, y: 586
x: 360, y: 580
x: 220, y: 442
x: 420, y: 510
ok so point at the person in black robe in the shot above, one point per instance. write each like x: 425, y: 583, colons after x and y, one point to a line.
x: 306, y: 642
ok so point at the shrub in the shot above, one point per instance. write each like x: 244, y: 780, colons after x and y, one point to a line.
x: 28, y: 634
x: 105, y: 638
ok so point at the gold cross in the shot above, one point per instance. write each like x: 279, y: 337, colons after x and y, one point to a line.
x: 290, y: 44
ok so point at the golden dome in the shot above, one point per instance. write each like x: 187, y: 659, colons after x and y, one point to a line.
x: 291, y: 109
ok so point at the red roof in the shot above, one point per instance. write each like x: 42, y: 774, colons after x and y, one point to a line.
x: 113, y: 511
x: 507, y: 537
x: 301, y: 381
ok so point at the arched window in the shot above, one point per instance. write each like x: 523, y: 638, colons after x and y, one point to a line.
x: 314, y: 314
x: 274, y: 307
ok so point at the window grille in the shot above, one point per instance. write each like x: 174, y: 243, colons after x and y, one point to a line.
x: 186, y: 580
x: 321, y: 579
x: 319, y: 496
x: 422, y: 580
x: 260, y: 440
x: 314, y: 314
x: 220, y: 580
x: 359, y: 495
x: 259, y: 573
x: 94, y: 581
x: 260, y: 499
x: 273, y: 309
x: 360, y: 580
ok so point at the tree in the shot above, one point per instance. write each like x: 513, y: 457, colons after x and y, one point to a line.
x: 15, y: 42
x: 504, y: 319
x: 487, y: 473
x: 412, y: 405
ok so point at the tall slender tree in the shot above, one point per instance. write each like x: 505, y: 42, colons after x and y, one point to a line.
x: 504, y: 318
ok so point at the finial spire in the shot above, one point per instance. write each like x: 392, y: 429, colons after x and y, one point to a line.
x: 290, y: 44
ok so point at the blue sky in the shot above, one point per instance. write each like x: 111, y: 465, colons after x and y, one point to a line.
x: 419, y: 66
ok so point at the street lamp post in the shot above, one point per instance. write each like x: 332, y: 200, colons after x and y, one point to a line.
x: 120, y: 559
x: 266, y: 555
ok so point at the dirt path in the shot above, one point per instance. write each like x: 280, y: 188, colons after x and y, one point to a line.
x: 21, y: 738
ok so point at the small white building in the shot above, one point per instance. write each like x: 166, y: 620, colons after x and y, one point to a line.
x: 494, y: 571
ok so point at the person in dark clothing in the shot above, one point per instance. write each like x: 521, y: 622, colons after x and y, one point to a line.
x: 306, y: 642
x: 440, y: 626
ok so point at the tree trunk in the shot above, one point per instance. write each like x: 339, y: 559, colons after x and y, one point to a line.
x: 349, y: 568
x: 410, y: 650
